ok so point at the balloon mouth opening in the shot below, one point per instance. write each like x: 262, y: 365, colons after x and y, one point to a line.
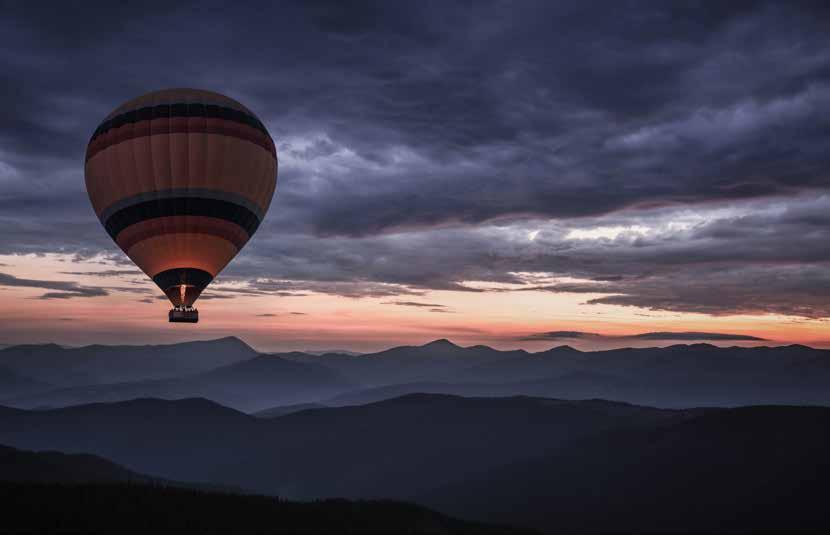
x: 182, y: 286
x: 183, y: 295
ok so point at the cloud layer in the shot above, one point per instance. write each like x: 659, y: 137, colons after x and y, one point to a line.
x: 642, y: 153
x: 651, y: 336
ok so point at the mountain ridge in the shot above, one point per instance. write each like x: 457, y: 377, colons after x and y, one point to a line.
x: 672, y: 376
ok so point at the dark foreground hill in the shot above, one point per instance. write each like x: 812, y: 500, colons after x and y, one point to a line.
x: 124, y: 508
x: 23, y: 466
x: 52, y: 466
x: 589, y: 466
x: 754, y: 469
x: 51, y: 492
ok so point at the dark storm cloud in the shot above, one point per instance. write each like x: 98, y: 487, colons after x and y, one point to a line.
x: 81, y: 292
x: 561, y: 335
x: 414, y: 136
x: 790, y: 291
x: 106, y: 273
x: 414, y: 304
x: 205, y: 296
x: 62, y: 289
x: 712, y: 109
x: 696, y: 336
x: 354, y: 288
x: 209, y: 296
x: 771, y: 259
x: 667, y: 336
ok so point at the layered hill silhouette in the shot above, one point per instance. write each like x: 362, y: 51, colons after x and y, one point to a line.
x: 282, y: 410
x: 675, y: 376
x: 253, y: 384
x: 233, y: 374
x: 51, y: 492
x: 97, y: 364
x: 555, y: 465
x: 395, y: 448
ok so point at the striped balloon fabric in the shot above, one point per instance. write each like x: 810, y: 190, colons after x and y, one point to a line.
x: 181, y: 179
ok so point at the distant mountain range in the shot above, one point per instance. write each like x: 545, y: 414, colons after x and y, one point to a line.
x: 250, y: 385
x: 251, y: 382
x: 675, y: 376
x: 98, y: 364
x: 231, y: 373
x: 559, y: 466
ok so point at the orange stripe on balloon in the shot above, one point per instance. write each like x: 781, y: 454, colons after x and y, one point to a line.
x: 177, y: 250
x: 181, y: 224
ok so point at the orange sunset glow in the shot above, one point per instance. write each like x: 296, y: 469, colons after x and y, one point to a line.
x: 134, y: 313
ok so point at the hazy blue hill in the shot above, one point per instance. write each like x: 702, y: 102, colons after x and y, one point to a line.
x: 267, y: 368
x: 254, y: 384
x: 380, y: 393
x: 15, y: 384
x: 676, y: 376
x: 433, y: 361
x: 263, y: 381
x: 282, y: 410
x: 332, y: 352
x: 109, y: 364
x: 176, y: 440
x: 754, y: 469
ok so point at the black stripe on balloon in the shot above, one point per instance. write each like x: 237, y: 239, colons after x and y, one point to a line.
x: 181, y: 206
x: 170, y: 111
x: 183, y: 276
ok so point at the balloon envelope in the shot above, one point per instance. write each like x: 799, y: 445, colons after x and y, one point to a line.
x: 181, y: 179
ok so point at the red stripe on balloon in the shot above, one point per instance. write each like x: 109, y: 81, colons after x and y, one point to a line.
x: 182, y: 225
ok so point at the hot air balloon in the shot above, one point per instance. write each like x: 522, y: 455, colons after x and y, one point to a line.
x: 181, y: 179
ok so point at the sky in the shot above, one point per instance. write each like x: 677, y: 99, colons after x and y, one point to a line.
x: 520, y: 174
